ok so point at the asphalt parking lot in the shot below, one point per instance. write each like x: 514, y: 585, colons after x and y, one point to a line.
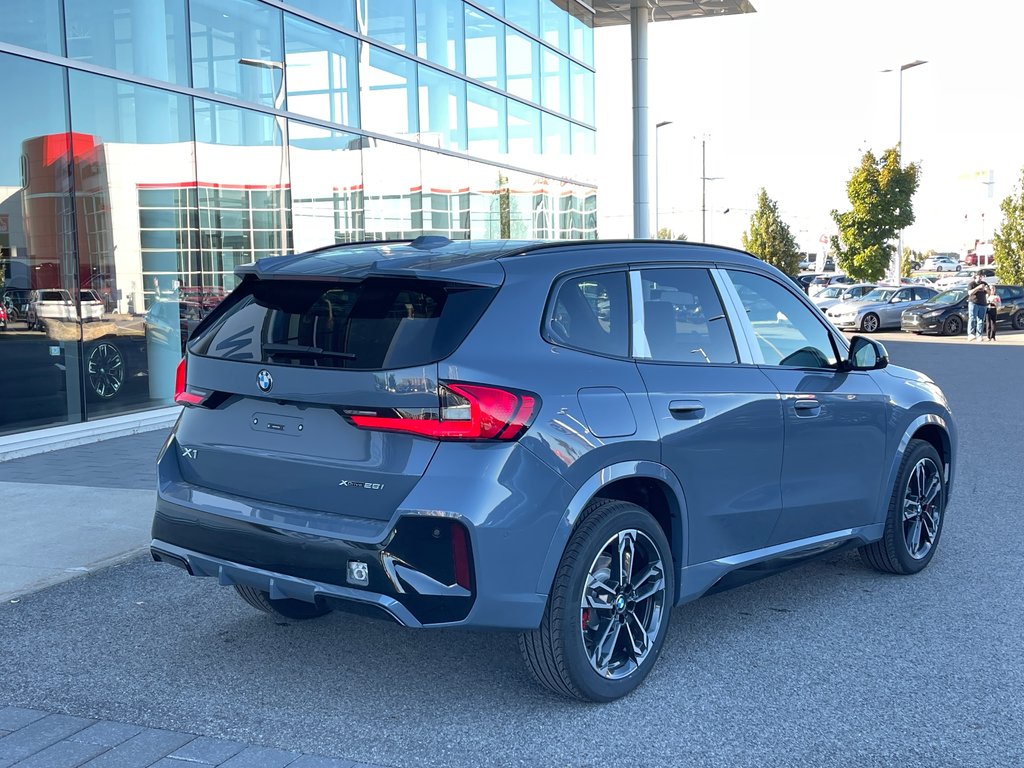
x: 828, y: 664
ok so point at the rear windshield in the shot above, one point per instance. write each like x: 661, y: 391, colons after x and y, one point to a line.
x: 376, y: 324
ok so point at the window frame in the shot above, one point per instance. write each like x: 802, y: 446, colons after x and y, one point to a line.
x: 840, y: 345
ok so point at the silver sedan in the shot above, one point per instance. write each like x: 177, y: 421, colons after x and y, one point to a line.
x: 881, y: 308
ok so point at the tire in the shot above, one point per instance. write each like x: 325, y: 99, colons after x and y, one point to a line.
x: 105, y: 371
x: 909, y: 543
x: 565, y: 653
x: 1018, y: 321
x: 296, y: 610
x: 869, y: 323
x: 953, y: 326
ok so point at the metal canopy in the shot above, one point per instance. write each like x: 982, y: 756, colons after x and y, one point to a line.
x: 638, y: 14
x: 614, y: 12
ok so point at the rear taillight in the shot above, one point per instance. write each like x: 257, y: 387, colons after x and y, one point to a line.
x: 182, y: 394
x: 466, y: 412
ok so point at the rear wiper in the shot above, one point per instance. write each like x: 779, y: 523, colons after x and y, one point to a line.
x: 293, y: 350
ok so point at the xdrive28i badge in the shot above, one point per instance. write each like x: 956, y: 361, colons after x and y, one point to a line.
x: 264, y: 380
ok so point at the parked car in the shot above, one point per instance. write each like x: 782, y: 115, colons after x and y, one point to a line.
x: 940, y: 263
x: 448, y: 434
x: 805, y: 280
x: 16, y: 300
x: 827, y: 279
x: 879, y: 309
x: 965, y: 276
x: 946, y: 313
x: 170, y: 320
x: 840, y: 292
x: 3, y: 317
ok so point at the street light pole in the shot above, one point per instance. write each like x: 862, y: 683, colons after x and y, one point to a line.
x: 657, y: 187
x: 897, y: 268
x: 704, y: 179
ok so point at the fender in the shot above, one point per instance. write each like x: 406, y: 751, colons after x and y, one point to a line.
x: 590, y: 488
x: 916, y: 424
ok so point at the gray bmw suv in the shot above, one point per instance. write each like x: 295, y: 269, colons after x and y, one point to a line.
x: 562, y: 439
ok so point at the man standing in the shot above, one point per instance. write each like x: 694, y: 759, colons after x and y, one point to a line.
x: 977, y: 295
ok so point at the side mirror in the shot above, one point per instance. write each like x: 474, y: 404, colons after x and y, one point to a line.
x: 866, y: 355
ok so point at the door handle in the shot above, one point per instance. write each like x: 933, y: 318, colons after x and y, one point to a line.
x: 686, y: 408
x: 807, y: 407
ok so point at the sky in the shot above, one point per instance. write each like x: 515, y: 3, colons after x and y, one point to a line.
x: 790, y: 97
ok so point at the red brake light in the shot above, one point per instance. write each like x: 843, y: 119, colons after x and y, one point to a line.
x: 181, y: 395
x: 467, y: 412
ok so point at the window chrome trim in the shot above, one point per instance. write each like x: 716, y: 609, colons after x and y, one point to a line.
x: 639, y: 348
x: 746, y: 341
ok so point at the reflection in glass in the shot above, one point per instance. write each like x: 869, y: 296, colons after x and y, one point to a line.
x: 485, y: 48
x: 340, y: 12
x: 446, y: 185
x: 393, y: 192
x: 144, y: 38
x: 523, y: 133
x: 442, y: 109
x: 582, y: 94
x: 323, y: 72
x: 132, y: 253
x: 555, y: 93
x: 41, y: 350
x: 581, y: 38
x: 522, y: 66
x: 387, y: 92
x: 439, y: 32
x: 236, y: 50
x: 486, y: 118
x: 327, y: 185
x: 525, y: 14
x: 32, y: 24
x: 242, y: 170
x: 554, y: 22
x: 556, y: 135
x: 392, y: 22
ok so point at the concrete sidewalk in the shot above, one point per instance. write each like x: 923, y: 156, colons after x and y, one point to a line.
x: 64, y: 514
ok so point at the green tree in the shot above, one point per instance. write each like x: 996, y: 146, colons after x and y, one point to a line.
x: 666, y: 234
x: 1008, y: 242
x: 769, y: 238
x: 881, y: 192
x: 907, y: 262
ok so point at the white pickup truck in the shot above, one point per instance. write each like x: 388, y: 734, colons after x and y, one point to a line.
x: 57, y: 304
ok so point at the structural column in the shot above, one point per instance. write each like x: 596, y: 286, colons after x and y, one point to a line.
x: 639, y: 16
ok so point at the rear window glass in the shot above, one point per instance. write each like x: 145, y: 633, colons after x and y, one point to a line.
x: 376, y: 324
x: 590, y: 312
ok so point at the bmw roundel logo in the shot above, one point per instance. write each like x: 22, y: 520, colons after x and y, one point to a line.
x: 264, y: 380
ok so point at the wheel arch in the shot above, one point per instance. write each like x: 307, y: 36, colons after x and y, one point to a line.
x: 647, y: 484
x: 933, y: 429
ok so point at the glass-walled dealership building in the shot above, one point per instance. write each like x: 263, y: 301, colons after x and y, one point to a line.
x: 148, y: 147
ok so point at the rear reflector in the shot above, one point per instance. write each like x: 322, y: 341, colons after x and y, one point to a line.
x: 467, y: 412
x: 460, y: 556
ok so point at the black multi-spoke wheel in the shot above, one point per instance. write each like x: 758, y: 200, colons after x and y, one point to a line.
x: 916, y: 512
x: 609, y: 606
x: 105, y: 370
x: 953, y: 326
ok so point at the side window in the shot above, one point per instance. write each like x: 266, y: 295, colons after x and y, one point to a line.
x: 787, y: 331
x: 590, y: 312
x: 683, y: 317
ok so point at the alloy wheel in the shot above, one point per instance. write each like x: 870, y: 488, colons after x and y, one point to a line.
x: 106, y: 370
x: 869, y: 324
x: 922, y: 508
x: 623, y: 604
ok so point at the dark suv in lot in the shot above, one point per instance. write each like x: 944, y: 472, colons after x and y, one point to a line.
x: 562, y: 439
x: 946, y: 313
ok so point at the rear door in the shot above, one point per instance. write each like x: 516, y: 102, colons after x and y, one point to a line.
x: 284, y: 369
x: 720, y: 420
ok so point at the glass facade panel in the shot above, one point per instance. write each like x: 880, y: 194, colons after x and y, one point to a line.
x: 524, y: 14
x: 523, y: 133
x: 40, y: 349
x: 442, y: 110
x: 340, y: 12
x: 556, y: 135
x: 485, y: 48
x: 555, y: 81
x: 143, y: 37
x: 554, y: 23
x: 131, y: 364
x: 487, y: 121
x: 241, y: 166
x: 582, y: 94
x: 498, y: 6
x: 236, y: 50
x: 440, y: 32
x: 327, y: 186
x: 393, y: 191
x: 445, y: 182
x: 32, y: 24
x: 323, y: 72
x: 387, y: 84
x: 392, y: 22
x: 581, y: 39
x: 522, y: 66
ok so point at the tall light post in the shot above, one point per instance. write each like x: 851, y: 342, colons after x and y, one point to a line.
x: 897, y: 267
x: 704, y: 179
x: 657, y: 188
